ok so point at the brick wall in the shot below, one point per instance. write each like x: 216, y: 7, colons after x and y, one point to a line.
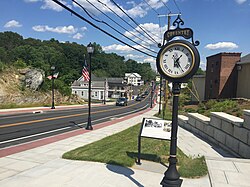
x: 221, y: 76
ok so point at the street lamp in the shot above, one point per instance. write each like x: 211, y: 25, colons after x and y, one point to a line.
x: 160, y: 95
x: 151, y: 103
x: 52, y: 68
x: 90, y: 50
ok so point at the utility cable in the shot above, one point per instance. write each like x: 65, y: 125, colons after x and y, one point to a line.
x: 109, y: 25
x: 120, y: 25
x: 177, y: 6
x: 151, y: 7
x: 95, y: 26
x: 133, y: 21
x: 166, y: 6
x: 125, y: 21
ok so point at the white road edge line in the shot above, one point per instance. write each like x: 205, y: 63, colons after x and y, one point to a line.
x: 39, y: 134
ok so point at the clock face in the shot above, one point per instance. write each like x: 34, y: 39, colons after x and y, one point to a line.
x: 178, y: 60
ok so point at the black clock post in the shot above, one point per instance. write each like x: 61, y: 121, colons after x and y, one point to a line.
x: 177, y: 61
x: 171, y: 176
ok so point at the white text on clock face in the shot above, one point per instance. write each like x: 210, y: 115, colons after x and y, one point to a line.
x: 177, y: 60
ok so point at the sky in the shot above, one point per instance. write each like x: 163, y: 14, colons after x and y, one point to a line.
x: 219, y: 25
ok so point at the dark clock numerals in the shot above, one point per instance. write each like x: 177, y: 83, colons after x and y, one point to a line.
x: 170, y: 71
x: 177, y: 48
x: 187, y: 66
x: 176, y: 72
x: 164, y: 61
x: 166, y: 66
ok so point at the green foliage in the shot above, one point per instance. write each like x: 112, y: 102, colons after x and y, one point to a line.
x: 68, y: 58
x: 20, y: 64
x: 2, y: 66
x: 121, y: 149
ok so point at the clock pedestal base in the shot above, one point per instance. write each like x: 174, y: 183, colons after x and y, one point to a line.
x: 171, y: 176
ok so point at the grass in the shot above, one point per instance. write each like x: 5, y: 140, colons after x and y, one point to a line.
x: 121, y: 149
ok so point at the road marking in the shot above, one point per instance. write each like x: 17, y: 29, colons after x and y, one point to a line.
x: 59, y: 117
x: 80, y: 124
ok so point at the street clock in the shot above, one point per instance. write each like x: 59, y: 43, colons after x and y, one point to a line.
x: 178, y: 60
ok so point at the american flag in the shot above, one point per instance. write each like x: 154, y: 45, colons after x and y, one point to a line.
x: 85, y: 72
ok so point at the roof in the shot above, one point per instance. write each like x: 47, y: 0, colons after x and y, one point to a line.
x: 115, y: 80
x: 132, y: 75
x: 225, y: 54
x: 245, y: 59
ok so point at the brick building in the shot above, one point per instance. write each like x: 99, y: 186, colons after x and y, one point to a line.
x: 221, y: 76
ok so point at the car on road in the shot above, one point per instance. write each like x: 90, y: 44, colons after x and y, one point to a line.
x: 138, y: 98
x: 122, y: 101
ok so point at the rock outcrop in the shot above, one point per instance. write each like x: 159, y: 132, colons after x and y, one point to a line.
x: 34, y: 78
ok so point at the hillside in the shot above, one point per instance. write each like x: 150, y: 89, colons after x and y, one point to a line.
x: 13, y: 92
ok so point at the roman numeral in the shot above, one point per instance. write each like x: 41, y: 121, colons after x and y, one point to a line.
x: 187, y: 66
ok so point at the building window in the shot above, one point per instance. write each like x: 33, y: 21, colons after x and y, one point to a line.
x: 82, y: 93
x: 75, y: 92
x: 212, y: 68
x: 95, y: 93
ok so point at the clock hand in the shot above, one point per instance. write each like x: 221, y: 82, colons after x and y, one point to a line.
x: 178, y: 64
x: 178, y: 58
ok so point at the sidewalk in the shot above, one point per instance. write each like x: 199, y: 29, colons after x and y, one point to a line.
x: 43, y: 166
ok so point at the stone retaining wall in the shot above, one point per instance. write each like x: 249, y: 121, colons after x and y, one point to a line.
x: 227, y: 131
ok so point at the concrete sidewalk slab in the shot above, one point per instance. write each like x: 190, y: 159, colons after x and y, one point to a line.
x: 43, y: 165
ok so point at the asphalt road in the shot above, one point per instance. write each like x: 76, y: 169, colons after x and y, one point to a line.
x: 25, y: 127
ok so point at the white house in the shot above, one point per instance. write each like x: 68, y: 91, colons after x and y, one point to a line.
x: 133, y: 79
x: 99, y: 88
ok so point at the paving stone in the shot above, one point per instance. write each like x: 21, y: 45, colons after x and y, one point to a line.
x: 242, y: 180
x: 21, y: 165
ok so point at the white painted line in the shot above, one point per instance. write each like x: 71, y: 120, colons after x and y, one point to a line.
x: 12, y: 140
x: 80, y: 124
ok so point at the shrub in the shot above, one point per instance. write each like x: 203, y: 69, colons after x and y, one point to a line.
x: 19, y: 64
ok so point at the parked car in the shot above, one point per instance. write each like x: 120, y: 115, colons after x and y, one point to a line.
x: 122, y: 101
x: 138, y: 98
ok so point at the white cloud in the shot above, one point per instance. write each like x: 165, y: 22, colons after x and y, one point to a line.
x: 48, y: 4
x: 12, y: 23
x: 137, y: 11
x: 78, y: 36
x: 240, y: 1
x: 60, y: 29
x: 222, y: 45
x: 83, y: 28
x: 117, y: 47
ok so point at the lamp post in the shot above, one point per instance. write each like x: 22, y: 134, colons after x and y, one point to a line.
x: 151, y: 103
x: 160, y: 95
x: 105, y: 90
x: 171, y: 176
x: 52, y: 68
x: 90, y: 50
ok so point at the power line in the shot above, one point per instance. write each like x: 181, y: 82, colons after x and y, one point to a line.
x: 151, y: 7
x: 109, y: 25
x: 177, y: 6
x: 118, y: 23
x: 166, y: 6
x: 95, y: 26
x: 126, y: 22
x: 133, y: 20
